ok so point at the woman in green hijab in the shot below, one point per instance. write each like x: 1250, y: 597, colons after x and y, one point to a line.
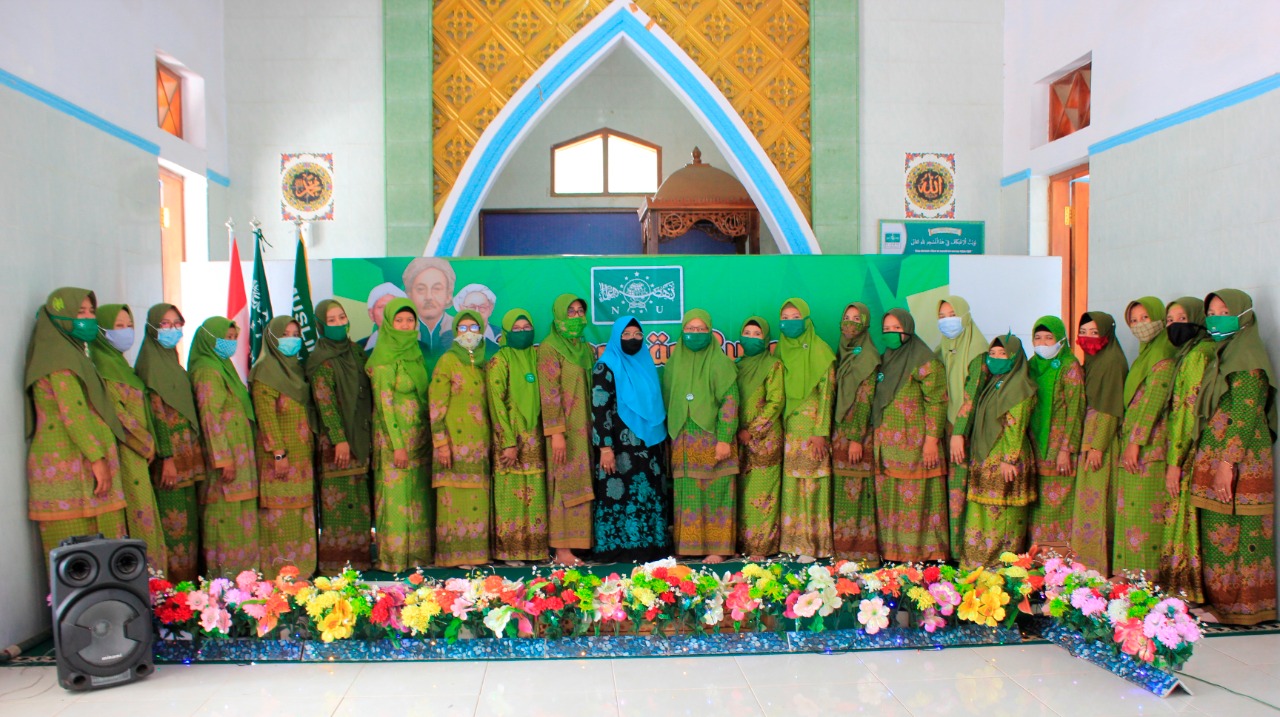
x: 72, y: 462
x: 700, y: 387
x: 1001, y: 483
x: 229, y: 497
x: 809, y: 379
x: 1056, y: 427
x: 128, y: 394
x: 909, y: 412
x: 759, y: 442
x: 1233, y: 473
x: 962, y: 343
x: 520, y: 476
x: 1181, y: 568
x: 852, y: 448
x: 460, y: 433
x: 1141, y: 500
x: 175, y: 424
x: 344, y: 404
x: 1104, y: 372
x: 402, y: 500
x: 565, y: 362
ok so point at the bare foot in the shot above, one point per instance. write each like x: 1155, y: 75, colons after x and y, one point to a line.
x: 565, y: 556
x: 805, y: 559
x: 713, y: 559
x: 513, y: 563
x: 467, y: 568
x: 755, y: 558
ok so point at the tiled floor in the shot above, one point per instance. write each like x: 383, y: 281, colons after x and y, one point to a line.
x: 989, y: 681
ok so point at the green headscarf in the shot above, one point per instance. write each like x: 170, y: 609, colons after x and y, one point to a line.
x: 202, y: 355
x: 1195, y: 316
x: 522, y: 376
x: 1104, y: 372
x: 695, y: 383
x: 805, y: 360
x: 998, y: 396
x: 1151, y: 352
x: 400, y: 347
x: 160, y: 370
x: 1045, y: 373
x: 956, y: 354
x: 577, y: 351
x: 897, y: 365
x: 354, y: 396
x: 283, y: 373
x: 753, y: 370
x: 110, y: 363
x: 468, y: 358
x: 858, y: 359
x: 53, y: 348
x: 1242, y: 351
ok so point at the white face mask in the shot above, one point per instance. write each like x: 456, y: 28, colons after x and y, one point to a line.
x: 1048, y: 352
x: 951, y: 326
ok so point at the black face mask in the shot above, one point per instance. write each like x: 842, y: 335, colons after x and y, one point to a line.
x: 1182, y: 332
x: 631, y: 347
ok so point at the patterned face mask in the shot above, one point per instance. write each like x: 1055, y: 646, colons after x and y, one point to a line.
x: 1145, y: 331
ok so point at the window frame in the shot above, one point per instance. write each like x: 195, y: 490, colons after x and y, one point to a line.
x: 604, y: 133
x: 1058, y: 108
x: 166, y: 72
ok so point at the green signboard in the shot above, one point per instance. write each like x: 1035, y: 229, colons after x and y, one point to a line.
x: 931, y: 236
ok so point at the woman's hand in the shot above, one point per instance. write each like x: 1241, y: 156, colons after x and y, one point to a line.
x: 1064, y: 466
x: 1173, y: 481
x: 1224, y: 478
x: 1130, y: 458
x: 1008, y: 472
x: 507, y: 458
x: 101, y: 478
x: 168, y: 474
x: 957, y: 450
x: 744, y: 437
x: 444, y: 456
x: 608, y: 462
x: 229, y: 473
x: 559, y: 452
x: 342, y: 455
x: 400, y: 458
x: 818, y: 449
x: 855, y: 452
x: 930, y: 452
x: 1093, y: 459
x: 723, y: 451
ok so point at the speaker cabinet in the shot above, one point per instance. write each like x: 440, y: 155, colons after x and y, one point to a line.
x: 102, y: 628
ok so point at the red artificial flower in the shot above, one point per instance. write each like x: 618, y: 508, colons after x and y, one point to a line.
x: 381, y: 612
x: 416, y: 579
x: 1119, y: 590
x: 555, y: 603
x: 660, y: 573
x: 569, y: 597
x: 651, y: 612
x: 932, y: 574
x: 845, y: 587
x: 667, y: 597
x: 159, y: 585
x: 688, y: 588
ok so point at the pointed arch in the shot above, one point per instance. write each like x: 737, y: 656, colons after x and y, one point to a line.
x: 621, y: 22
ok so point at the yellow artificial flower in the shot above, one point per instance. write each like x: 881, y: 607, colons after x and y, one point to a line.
x: 1014, y: 571
x: 754, y: 571
x: 302, y: 596
x: 971, y: 608
x: 643, y: 597
x: 321, y: 602
x: 1008, y: 558
x: 993, y: 602
x: 322, y: 584
x: 338, y: 624
x: 922, y: 597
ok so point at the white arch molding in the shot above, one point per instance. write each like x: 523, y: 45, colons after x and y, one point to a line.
x: 620, y: 22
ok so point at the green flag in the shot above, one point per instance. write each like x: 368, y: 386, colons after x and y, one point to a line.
x: 303, y: 311
x: 260, y: 299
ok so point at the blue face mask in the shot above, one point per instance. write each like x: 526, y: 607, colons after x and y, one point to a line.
x: 121, y: 339
x: 168, y: 338
x: 951, y: 326
x: 290, y: 345
x: 225, y: 348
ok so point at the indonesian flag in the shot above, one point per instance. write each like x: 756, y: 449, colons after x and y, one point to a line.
x: 238, y: 311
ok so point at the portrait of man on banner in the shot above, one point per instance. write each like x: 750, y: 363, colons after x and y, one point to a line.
x: 429, y: 283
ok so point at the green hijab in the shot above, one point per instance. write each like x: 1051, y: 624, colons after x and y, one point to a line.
x: 1242, y: 351
x: 468, y: 358
x: 858, y: 360
x: 400, y: 347
x: 53, y: 348
x: 999, y: 396
x: 1195, y: 316
x: 956, y: 354
x: 1045, y: 373
x: 202, y: 355
x: 577, y: 351
x: 109, y: 361
x: 283, y: 373
x: 160, y: 370
x: 1104, y: 372
x: 897, y: 365
x: 805, y: 360
x: 1151, y: 352
x: 754, y: 370
x: 522, y: 376
x: 695, y: 382
x: 354, y: 396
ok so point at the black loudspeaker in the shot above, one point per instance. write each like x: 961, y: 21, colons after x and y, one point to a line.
x: 102, y: 629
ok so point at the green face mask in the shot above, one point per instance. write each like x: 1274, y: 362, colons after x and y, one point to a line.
x: 1222, y: 328
x: 520, y: 339
x: 696, y: 342
x: 793, y: 328
x: 893, y: 340
x: 85, y: 330
x: 999, y: 366
x: 573, y: 326
x: 336, y: 333
x: 752, y: 346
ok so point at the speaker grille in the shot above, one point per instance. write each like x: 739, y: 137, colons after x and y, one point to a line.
x: 106, y: 622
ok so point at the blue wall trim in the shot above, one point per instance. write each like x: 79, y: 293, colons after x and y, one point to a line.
x: 1196, y: 111
x: 13, y: 81
x: 219, y: 179
x: 1015, y: 178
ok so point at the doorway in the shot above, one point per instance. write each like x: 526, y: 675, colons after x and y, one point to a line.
x: 1069, y: 239
x: 173, y: 244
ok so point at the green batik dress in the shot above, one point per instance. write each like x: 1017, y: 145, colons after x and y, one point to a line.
x: 1055, y: 501
x: 806, y: 481
x: 958, y: 473
x: 1142, y: 504
x: 760, y: 464
x: 346, y: 514
x: 69, y: 437
x: 519, y: 491
x: 143, y: 515
x: 460, y: 420
x: 854, y: 502
x: 403, y: 502
x: 1093, y: 516
x: 995, y: 514
x: 230, y: 509
x: 566, y: 409
x: 1181, y: 564
x: 911, y: 500
x: 286, y: 515
x: 705, y: 494
x: 178, y: 441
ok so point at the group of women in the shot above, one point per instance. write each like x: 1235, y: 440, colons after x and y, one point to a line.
x: 905, y: 455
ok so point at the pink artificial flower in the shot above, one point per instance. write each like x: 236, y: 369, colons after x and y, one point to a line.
x: 808, y: 604
x: 932, y: 622
x: 217, y: 587
x: 214, y: 617
x: 1132, y: 640
x: 946, y: 595
x: 461, y: 606
x: 246, y: 580
x: 1087, y: 603
x: 197, y: 600
x: 789, y: 611
x: 263, y: 589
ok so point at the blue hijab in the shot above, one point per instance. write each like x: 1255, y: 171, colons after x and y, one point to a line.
x: 636, y: 380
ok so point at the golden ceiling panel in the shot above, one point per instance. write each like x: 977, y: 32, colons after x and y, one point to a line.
x: 755, y: 51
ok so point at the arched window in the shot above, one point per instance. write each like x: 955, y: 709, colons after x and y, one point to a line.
x: 605, y: 163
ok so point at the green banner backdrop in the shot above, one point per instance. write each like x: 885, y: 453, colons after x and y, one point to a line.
x: 657, y: 290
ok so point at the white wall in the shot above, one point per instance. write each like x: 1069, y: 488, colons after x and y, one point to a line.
x: 305, y: 77
x: 931, y: 82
